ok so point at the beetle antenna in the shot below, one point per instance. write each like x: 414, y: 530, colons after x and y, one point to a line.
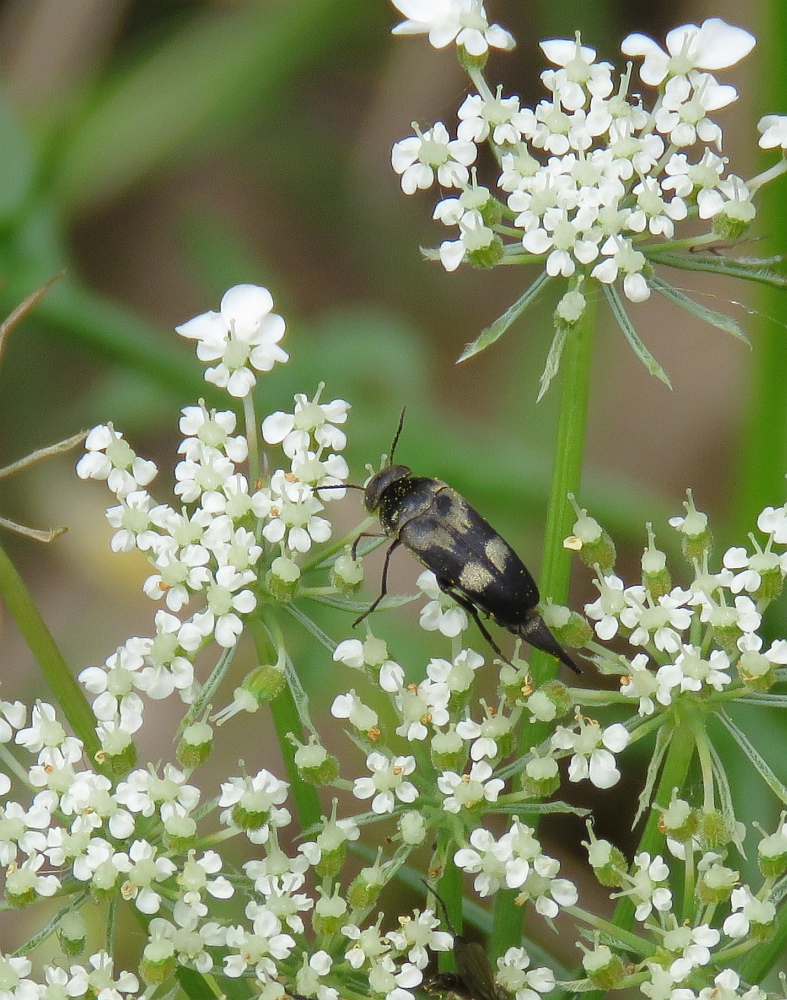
x: 396, y: 436
x: 441, y: 901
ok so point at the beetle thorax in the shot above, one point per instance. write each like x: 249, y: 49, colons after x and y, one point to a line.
x: 380, y: 482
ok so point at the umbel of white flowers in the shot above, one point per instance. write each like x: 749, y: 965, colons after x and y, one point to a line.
x: 594, y: 179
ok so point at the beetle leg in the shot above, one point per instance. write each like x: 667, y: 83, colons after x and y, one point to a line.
x: 472, y: 610
x: 364, y: 534
x: 383, y: 583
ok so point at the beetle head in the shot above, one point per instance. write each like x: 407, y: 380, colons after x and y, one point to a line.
x: 379, y: 483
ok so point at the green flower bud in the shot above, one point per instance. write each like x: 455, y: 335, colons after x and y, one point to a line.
x: 347, y: 574
x: 678, y: 820
x: 180, y: 833
x: 540, y: 778
x: 697, y: 540
x: 282, y: 578
x: 590, y: 540
x: 772, y: 853
x: 756, y: 671
x: 20, y: 887
x: 713, y: 830
x: 515, y: 683
x: 607, y: 861
x: 734, y: 220
x: 195, y: 745
x: 716, y: 882
x: 315, y: 764
x: 656, y: 577
x: 118, y: 752
x: 158, y: 962
x: 72, y: 934
x: 484, y: 248
x: 366, y: 886
x: 330, y: 914
x: 605, y: 970
x: 570, y: 309
x: 448, y: 751
x: 559, y: 695
x: 265, y: 682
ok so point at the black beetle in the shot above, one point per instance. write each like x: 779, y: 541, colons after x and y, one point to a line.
x: 471, y: 561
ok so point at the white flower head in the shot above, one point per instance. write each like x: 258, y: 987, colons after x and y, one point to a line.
x: 446, y: 21
x: 432, y: 154
x: 387, y: 782
x: 243, y: 337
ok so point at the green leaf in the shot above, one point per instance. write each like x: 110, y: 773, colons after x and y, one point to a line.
x: 749, y: 269
x: 717, y: 319
x: 552, y: 366
x: 663, y: 737
x: 502, y: 323
x: 632, y: 336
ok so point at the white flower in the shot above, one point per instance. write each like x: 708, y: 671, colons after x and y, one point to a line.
x: 747, y: 909
x: 593, y: 749
x: 212, y: 428
x: 419, y: 933
x: 421, y: 157
x: 13, y: 977
x: 497, y: 863
x: 547, y: 892
x: 606, y: 610
x: 457, y: 675
x: 774, y: 131
x: 714, y: 45
x: 109, y: 456
x: 258, y: 796
x: 387, y: 783
x: 98, y: 979
x: 393, y: 984
x: 479, y: 117
x: 661, y: 622
x: 143, y: 870
x: 446, y: 21
x: 523, y: 985
x: 243, y: 337
x: 623, y: 259
x: 640, y: 683
x: 647, y: 889
x: 349, y: 706
x: 467, y: 790
x: 310, y: 421
x: 442, y: 613
x: 693, y: 945
x: 290, y: 512
x: 132, y: 519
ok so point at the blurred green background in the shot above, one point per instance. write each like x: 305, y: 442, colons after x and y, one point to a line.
x: 164, y: 150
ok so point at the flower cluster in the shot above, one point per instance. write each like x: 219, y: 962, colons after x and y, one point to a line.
x: 230, y: 540
x: 595, y: 177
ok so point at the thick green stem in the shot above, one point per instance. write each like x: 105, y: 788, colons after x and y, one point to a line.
x: 556, y: 565
x: 566, y: 474
x: 68, y: 694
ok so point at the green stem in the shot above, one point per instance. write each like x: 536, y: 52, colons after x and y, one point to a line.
x: 285, y: 721
x: 556, y: 565
x: 566, y: 476
x: 68, y: 694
